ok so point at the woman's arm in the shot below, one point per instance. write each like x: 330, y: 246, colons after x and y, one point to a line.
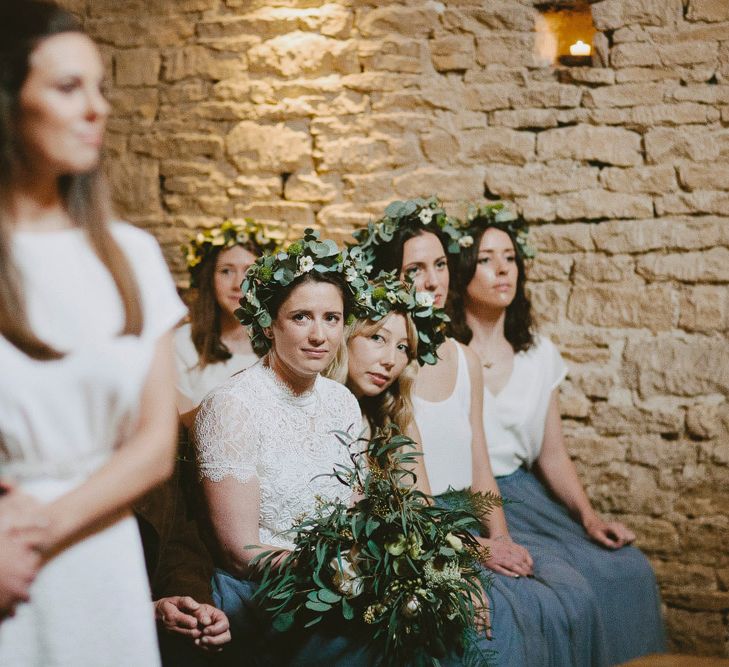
x: 139, y: 463
x: 506, y: 557
x: 560, y: 475
x: 422, y: 483
x: 234, y: 508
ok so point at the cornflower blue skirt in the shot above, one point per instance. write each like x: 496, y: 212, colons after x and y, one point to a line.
x: 585, y: 606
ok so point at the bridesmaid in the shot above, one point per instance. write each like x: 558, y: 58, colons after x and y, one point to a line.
x: 213, y: 345
x: 539, y: 615
x: 551, y: 512
x: 87, y: 306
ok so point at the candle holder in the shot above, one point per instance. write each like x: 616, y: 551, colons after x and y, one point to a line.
x: 575, y: 61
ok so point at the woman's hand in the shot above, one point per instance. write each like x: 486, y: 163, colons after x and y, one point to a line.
x: 610, y: 534
x: 206, y: 625
x: 19, y: 563
x: 20, y: 512
x: 506, y: 557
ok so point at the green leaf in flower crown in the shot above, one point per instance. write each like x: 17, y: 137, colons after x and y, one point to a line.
x: 423, y: 336
x: 372, y: 525
x: 395, y: 209
x: 347, y: 610
x: 429, y: 358
x: 264, y: 319
x: 505, y: 215
x: 318, y: 606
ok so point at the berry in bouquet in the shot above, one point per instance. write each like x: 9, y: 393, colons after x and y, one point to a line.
x: 391, y: 565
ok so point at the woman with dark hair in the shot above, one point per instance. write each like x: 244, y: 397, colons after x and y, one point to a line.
x: 266, y: 439
x: 418, y: 241
x: 551, y: 513
x: 213, y: 345
x: 87, y: 417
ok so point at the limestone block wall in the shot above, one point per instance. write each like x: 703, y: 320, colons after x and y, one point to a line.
x: 319, y: 113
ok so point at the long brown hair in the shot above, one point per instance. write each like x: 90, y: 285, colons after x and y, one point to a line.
x: 518, y: 321
x: 394, y: 405
x: 23, y: 25
x: 205, y: 312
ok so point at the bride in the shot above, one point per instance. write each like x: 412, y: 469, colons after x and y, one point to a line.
x: 266, y: 438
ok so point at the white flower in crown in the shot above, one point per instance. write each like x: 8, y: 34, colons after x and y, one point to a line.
x: 306, y: 264
x: 350, y: 274
x: 465, y: 241
x: 392, y: 297
x: 250, y: 297
x: 425, y: 215
x: 424, y: 299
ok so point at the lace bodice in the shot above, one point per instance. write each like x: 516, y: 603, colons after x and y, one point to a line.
x: 254, y: 427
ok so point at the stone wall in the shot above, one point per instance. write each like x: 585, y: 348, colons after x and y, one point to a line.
x: 319, y: 113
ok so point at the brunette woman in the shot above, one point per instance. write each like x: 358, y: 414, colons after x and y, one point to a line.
x: 87, y: 416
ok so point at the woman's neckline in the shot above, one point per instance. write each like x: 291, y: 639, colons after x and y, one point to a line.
x: 303, y: 398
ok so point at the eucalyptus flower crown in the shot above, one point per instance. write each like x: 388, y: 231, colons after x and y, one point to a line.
x: 425, y: 214
x: 386, y: 294
x: 498, y: 216
x: 226, y: 236
x: 272, y: 272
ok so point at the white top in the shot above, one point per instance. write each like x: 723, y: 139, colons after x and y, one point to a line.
x: 254, y: 427
x: 59, y: 420
x: 445, y: 431
x: 63, y: 418
x: 195, y: 382
x: 514, y: 419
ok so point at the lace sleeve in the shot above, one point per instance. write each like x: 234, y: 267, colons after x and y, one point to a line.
x: 225, y: 439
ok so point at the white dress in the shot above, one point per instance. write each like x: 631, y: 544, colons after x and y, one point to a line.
x: 195, y: 382
x: 445, y: 431
x: 514, y: 419
x: 254, y: 427
x: 60, y: 421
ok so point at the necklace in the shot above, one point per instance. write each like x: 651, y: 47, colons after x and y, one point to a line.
x: 487, y: 364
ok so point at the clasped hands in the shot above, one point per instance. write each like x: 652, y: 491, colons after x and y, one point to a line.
x: 206, y: 625
x: 22, y: 532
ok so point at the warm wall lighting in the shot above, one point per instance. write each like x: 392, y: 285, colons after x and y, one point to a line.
x: 564, y: 33
x: 579, y: 48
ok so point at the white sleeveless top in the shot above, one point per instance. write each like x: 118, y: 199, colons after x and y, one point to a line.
x: 194, y: 382
x: 254, y: 427
x: 514, y: 419
x: 445, y: 431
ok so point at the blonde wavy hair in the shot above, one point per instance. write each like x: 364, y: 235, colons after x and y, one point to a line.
x: 394, y: 405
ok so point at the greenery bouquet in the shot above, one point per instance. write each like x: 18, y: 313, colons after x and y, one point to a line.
x: 401, y: 568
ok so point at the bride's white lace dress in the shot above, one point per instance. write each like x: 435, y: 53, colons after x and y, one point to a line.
x: 254, y: 427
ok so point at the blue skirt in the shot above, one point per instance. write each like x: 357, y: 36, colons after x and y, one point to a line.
x: 586, y: 606
x: 256, y: 644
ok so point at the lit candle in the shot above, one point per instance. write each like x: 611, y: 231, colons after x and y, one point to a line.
x: 580, y: 49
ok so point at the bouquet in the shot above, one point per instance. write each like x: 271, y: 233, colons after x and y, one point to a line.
x: 393, y: 563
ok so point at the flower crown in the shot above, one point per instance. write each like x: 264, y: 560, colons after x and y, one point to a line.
x: 426, y: 214
x: 271, y: 272
x: 386, y: 294
x: 498, y: 216
x: 225, y: 236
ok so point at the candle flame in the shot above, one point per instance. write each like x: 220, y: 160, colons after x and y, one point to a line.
x: 579, y: 48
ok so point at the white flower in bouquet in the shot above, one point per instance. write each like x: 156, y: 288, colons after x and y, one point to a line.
x: 346, y: 578
x: 425, y: 215
x: 424, y: 299
x: 454, y: 541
